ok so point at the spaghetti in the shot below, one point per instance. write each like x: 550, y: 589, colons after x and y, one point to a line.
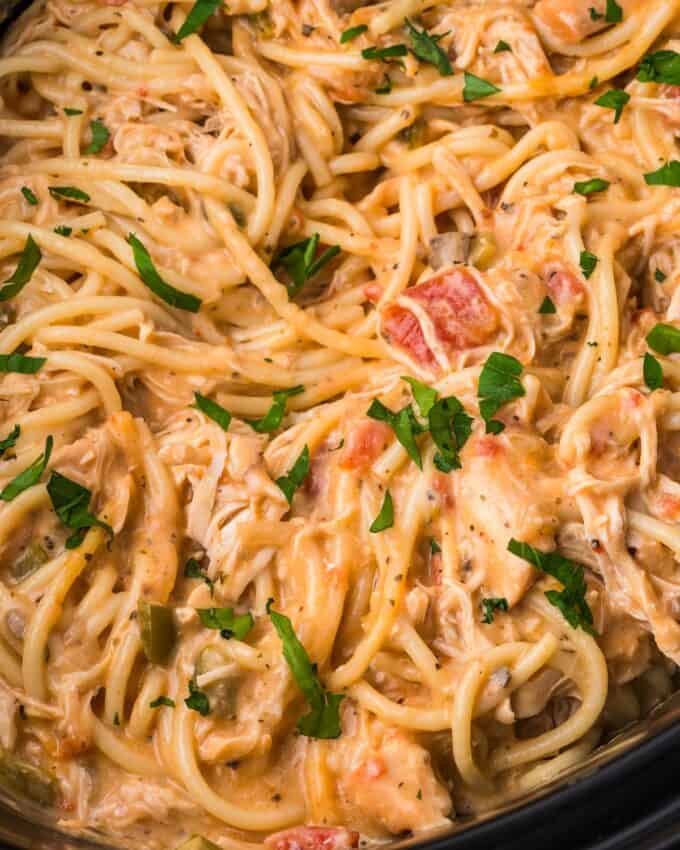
x: 338, y: 463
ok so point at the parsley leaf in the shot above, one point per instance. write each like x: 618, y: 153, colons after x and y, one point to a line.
x: 587, y: 187
x: 425, y: 48
x: 63, y: 230
x: 20, y: 363
x: 659, y: 276
x: 192, y: 569
x: 71, y: 501
x: 289, y: 483
x: 299, y: 262
x: 68, y: 193
x: 593, y: 84
x: 10, y: 440
x: 159, y: 701
x: 352, y: 33
x: 491, y: 605
x: 30, y: 476
x: 30, y: 197
x: 69, y: 110
x: 197, y: 699
x: 424, y: 396
x: 435, y: 548
x: 660, y: 67
x: 587, y: 261
x: 100, y: 136
x: 212, y: 410
x: 403, y: 423
x: 229, y: 624
x: 199, y: 14
x: 384, y: 54
x: 594, y: 14
x: 323, y: 719
x: 547, y: 306
x: 614, y: 99
x: 274, y: 416
x: 148, y: 273
x: 28, y: 262
x: 664, y: 339
x: 652, y: 372
x: 667, y: 175
x: 476, y: 88
x: 450, y: 427
x: 499, y: 383
x: 572, y: 600
x: 613, y: 13
x: 502, y: 47
x: 385, y: 518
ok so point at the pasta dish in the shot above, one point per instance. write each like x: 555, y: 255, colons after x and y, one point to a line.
x: 340, y: 402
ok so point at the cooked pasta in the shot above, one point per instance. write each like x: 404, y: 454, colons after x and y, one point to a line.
x: 340, y: 408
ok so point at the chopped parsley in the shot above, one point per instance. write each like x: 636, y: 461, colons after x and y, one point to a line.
x: 571, y: 601
x: 148, y: 273
x: 199, y: 14
x: 69, y: 110
x: 587, y: 261
x: 289, y: 483
x: 30, y: 197
x: 425, y: 47
x: 499, y: 383
x: 502, y: 47
x: 20, y: 363
x: 594, y: 14
x: 30, y: 476
x: 667, y: 175
x: 10, y: 440
x: 491, y: 605
x: 159, y: 701
x: 63, y: 230
x: 100, y: 136
x: 588, y: 187
x: 301, y: 263
x: 435, y: 548
x: 659, y: 276
x: 547, y: 306
x: 228, y: 623
x: 404, y: 424
x: 664, y: 339
x: 476, y: 88
x: 28, y: 263
x: 386, y: 86
x: 68, y: 193
x: 613, y: 13
x: 660, y: 67
x: 197, y: 699
x: 614, y: 99
x: 385, y: 54
x: 192, y: 569
x: 274, y: 416
x: 385, y: 518
x: 212, y: 410
x: 352, y: 33
x: 323, y: 719
x: 652, y: 372
x: 71, y: 503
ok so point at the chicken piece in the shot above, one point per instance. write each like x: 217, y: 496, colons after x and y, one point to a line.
x: 386, y: 778
x: 447, y: 313
x: 572, y: 20
x: 501, y: 492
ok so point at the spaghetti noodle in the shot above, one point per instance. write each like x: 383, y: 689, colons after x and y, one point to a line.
x: 340, y: 407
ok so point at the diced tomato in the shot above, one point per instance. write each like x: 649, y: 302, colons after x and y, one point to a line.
x: 460, y: 313
x: 373, y: 291
x: 669, y: 506
x: 564, y: 285
x: 313, y: 838
x: 487, y: 446
x: 365, y: 442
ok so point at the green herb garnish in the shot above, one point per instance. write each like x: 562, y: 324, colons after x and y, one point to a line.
x: 547, y: 306
x: 385, y: 518
x: 159, y: 701
x: 476, y: 88
x: 660, y: 67
x: 403, y: 423
x: 228, y: 623
x: 385, y: 54
x: 30, y: 197
x: 274, y: 416
x: 613, y: 13
x: 10, y: 440
x: 352, y: 33
x: 197, y: 699
x: 100, y: 136
x: 68, y: 193
x: 664, y: 339
x: 499, y: 383
x: 572, y: 600
x: 667, y: 175
x: 147, y: 272
x: 659, y: 276
x: 502, y: 47
x: 28, y: 262
x: 212, y: 410
x: 323, y: 719
x: 652, y: 372
x: 588, y: 187
x: 71, y: 502
x: 425, y: 47
x: 491, y: 605
x: 289, y: 483
x: 192, y: 569
x: 30, y: 476
x: 199, y: 14
x: 300, y: 263
x: 614, y: 99
x: 20, y: 363
x: 587, y: 261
